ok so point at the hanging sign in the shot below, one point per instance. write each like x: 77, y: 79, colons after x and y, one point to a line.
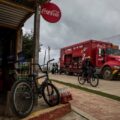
x: 50, y: 12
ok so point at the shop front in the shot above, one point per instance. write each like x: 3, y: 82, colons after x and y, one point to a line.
x: 13, y: 14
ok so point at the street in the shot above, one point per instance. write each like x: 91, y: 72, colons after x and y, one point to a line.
x: 89, y: 105
x: 110, y: 87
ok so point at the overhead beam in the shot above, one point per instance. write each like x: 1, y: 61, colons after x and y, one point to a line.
x: 21, y: 7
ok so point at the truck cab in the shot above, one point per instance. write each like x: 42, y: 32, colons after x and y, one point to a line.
x: 110, y: 61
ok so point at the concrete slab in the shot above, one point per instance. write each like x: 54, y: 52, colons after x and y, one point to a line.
x: 43, y: 112
x: 83, y: 114
x: 73, y: 116
x: 92, y: 106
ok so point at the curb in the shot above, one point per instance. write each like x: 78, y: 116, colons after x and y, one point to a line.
x: 50, y: 113
x: 104, y: 94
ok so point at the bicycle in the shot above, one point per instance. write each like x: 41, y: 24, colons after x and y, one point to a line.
x: 90, y: 78
x: 23, y: 93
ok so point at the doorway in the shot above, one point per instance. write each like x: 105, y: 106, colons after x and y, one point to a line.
x: 7, y: 56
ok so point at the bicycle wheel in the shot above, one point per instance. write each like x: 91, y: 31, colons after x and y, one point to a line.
x: 94, y: 81
x: 81, y: 79
x: 50, y: 94
x: 22, y: 98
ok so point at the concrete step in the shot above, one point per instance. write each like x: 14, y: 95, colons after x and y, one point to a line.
x: 51, y: 113
x: 41, y: 111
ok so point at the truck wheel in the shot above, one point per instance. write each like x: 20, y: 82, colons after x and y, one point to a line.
x: 107, y: 73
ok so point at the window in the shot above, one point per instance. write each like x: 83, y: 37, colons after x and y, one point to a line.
x: 111, y: 51
x: 101, y: 52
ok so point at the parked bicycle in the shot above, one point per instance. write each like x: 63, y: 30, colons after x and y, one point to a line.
x: 90, y: 78
x: 25, y: 91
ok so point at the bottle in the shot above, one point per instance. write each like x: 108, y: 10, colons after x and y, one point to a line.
x: 70, y: 96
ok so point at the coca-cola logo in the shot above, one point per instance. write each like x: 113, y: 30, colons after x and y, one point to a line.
x: 100, y: 45
x: 50, y: 12
x: 53, y: 13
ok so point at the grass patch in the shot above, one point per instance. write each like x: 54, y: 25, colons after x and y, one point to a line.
x: 114, y: 97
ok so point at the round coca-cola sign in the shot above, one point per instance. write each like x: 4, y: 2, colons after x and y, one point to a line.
x: 50, y: 12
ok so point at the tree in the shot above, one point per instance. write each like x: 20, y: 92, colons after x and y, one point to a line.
x: 28, y: 45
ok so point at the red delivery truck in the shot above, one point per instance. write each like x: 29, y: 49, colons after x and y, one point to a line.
x: 104, y: 55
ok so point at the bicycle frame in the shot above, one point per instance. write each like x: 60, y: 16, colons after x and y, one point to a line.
x: 35, y: 79
x: 91, y: 78
x: 28, y: 90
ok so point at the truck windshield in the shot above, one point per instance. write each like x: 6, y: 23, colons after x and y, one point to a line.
x: 111, y: 51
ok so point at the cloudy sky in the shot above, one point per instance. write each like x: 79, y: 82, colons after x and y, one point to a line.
x: 81, y: 20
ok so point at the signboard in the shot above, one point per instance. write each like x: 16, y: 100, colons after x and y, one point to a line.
x: 50, y: 12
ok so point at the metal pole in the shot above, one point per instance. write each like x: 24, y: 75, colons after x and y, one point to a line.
x: 48, y: 56
x: 44, y: 58
x: 48, y: 52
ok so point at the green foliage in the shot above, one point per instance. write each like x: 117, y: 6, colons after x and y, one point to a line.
x: 28, y: 45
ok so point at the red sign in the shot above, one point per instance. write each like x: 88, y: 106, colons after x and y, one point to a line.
x: 50, y: 12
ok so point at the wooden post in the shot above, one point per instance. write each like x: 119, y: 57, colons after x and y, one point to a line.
x: 36, y: 33
x: 36, y: 40
x: 8, y: 108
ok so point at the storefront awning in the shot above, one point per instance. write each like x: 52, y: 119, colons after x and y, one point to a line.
x: 13, y: 14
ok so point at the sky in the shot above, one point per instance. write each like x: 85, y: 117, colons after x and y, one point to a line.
x: 81, y: 20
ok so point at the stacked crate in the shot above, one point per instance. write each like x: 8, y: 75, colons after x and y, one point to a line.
x: 23, y: 70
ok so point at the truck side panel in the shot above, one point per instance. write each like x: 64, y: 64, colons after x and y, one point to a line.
x: 71, y: 57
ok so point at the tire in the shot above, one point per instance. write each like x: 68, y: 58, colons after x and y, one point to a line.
x: 53, y: 71
x: 51, y: 94
x: 81, y: 79
x: 94, y: 81
x: 22, y: 98
x: 107, y: 73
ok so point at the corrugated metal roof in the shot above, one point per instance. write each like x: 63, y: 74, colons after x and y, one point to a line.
x: 12, y: 15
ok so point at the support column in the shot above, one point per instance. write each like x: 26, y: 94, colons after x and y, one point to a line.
x: 36, y: 33
x: 36, y: 40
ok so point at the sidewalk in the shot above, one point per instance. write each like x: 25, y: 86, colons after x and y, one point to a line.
x: 110, y: 87
x: 91, y: 106
x: 72, y: 116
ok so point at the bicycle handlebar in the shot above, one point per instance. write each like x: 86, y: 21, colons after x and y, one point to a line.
x: 49, y: 62
x: 42, y: 65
